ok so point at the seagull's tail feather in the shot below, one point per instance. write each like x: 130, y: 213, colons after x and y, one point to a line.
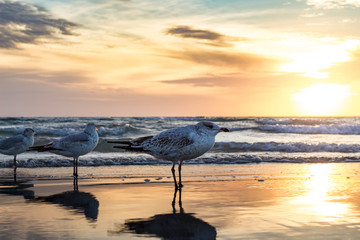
x: 120, y: 141
x: 127, y: 145
x: 130, y: 148
x: 134, y: 145
x: 42, y: 148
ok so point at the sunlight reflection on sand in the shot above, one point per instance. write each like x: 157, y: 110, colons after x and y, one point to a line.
x: 318, y: 198
x: 256, y: 201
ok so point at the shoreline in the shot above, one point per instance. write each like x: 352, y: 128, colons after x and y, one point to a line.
x: 253, y: 201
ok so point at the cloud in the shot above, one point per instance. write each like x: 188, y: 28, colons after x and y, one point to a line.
x: 22, y: 76
x: 207, y: 81
x: 204, y: 36
x: 27, y: 23
x: 232, y: 81
x: 228, y: 59
x: 333, y: 4
x: 312, y: 15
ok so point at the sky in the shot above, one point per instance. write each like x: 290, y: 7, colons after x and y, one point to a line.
x: 179, y: 58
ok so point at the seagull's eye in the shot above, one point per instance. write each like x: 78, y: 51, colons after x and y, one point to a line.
x: 209, y: 126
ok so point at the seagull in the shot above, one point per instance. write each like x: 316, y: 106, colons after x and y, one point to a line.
x: 177, y: 144
x: 17, y: 144
x: 74, y: 145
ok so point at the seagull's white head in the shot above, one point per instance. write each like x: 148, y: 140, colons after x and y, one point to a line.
x: 90, y: 129
x: 28, y: 132
x: 210, y: 128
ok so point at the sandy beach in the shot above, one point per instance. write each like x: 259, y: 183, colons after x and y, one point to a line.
x: 252, y: 201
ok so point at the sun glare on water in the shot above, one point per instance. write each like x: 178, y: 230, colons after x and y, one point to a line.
x: 321, y: 99
x: 318, y: 198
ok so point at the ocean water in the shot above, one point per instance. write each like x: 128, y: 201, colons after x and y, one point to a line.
x: 251, y: 140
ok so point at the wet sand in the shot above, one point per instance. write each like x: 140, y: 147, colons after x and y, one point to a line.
x: 255, y: 201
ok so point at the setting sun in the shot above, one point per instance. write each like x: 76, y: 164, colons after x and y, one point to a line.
x: 321, y: 99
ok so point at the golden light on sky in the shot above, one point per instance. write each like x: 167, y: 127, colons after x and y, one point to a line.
x: 322, y: 57
x: 176, y: 58
x: 322, y: 99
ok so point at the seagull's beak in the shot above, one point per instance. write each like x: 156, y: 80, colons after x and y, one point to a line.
x: 224, y: 130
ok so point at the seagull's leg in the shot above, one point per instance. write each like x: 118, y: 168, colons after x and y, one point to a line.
x: 174, y: 200
x: 173, y: 173
x: 76, y: 170
x: 15, y: 167
x: 76, y: 186
x: 180, y: 202
x: 74, y: 167
x: 180, y: 184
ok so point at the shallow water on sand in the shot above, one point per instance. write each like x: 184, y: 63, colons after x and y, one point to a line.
x: 253, y: 201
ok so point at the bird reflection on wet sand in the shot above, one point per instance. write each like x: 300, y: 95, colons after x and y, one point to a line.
x: 175, y: 225
x: 17, y: 188
x: 82, y: 202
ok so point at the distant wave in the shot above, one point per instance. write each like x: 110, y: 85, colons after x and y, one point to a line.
x: 298, y: 121
x: 230, y: 119
x: 47, y: 131
x: 132, y: 127
x: 60, y: 131
x: 121, y: 130
x: 285, y: 147
x: 199, y: 118
x: 319, y: 129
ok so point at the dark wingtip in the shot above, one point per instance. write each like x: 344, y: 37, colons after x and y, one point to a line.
x: 121, y: 147
x: 36, y: 148
x: 224, y: 130
x: 113, y: 141
x: 127, y: 142
x: 42, y: 148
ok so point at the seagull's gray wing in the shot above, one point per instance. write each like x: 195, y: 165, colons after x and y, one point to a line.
x: 164, y: 143
x: 11, y: 142
x: 71, y: 140
x: 171, y: 140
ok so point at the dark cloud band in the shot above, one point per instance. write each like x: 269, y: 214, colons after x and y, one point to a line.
x: 206, y: 36
x: 22, y: 22
x: 187, y: 32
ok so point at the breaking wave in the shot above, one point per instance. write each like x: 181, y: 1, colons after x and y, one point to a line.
x: 319, y: 129
x: 285, y: 147
x: 60, y: 131
x: 95, y: 160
